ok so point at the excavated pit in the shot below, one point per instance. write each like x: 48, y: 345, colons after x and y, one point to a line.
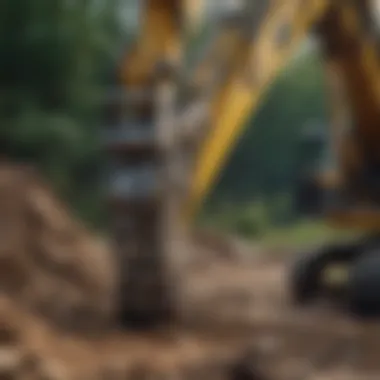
x: 58, y: 308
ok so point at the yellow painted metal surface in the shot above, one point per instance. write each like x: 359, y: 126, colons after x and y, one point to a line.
x: 251, y: 62
x: 159, y: 38
x: 359, y: 217
x: 283, y: 28
x: 352, y: 56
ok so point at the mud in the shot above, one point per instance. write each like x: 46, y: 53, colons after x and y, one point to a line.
x: 48, y: 261
x: 237, y: 321
x: 270, y: 337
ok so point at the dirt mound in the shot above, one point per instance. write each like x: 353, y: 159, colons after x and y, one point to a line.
x: 278, y: 342
x: 21, y: 340
x: 48, y: 261
x: 53, y: 270
x: 237, y: 323
x: 31, y: 350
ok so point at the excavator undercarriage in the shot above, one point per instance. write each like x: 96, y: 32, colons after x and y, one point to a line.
x: 350, y: 197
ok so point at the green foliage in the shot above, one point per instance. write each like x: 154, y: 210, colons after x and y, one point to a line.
x: 264, y: 158
x: 54, y: 59
x: 304, y: 233
x: 264, y: 162
x: 248, y: 219
x: 253, y: 221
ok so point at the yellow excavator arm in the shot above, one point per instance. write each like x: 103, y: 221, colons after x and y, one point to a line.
x: 231, y: 80
x: 162, y: 26
x: 252, y: 51
x: 281, y: 28
x: 350, y: 51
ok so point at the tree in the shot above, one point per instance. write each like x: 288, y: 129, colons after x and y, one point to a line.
x: 263, y: 162
x: 54, y: 57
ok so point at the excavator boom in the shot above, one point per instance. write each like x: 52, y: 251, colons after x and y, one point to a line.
x: 263, y: 50
x: 196, y: 121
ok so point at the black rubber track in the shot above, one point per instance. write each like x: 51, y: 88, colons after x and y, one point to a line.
x: 304, y: 276
x: 364, y: 286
